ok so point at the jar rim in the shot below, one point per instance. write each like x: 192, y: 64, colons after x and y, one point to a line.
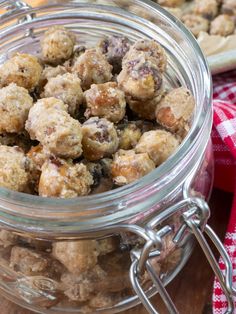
x: 158, y: 175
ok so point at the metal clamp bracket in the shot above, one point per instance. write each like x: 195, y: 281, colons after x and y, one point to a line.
x: 195, y: 213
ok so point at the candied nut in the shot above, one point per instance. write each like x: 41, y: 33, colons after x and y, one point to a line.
x: 54, y: 128
x: 92, y: 68
x: 145, y: 109
x: 140, y: 79
x: 114, y: 48
x: 206, y: 8
x: 175, y: 110
x: 128, y: 166
x: 83, y: 285
x: 38, y: 155
x: 14, y: 168
x: 16, y: 139
x: 149, y: 50
x: 60, y: 178
x: 7, y: 238
x: 159, y: 145
x: 78, y: 51
x: 99, y: 138
x: 50, y: 71
x: 222, y: 25
x: 77, y: 256
x: 28, y: 262
x: 57, y: 44
x: 196, y: 23
x: 170, y: 3
x: 107, y: 245
x: 129, y: 135
x: 65, y: 87
x: 15, y: 103
x: 22, y: 69
x: 105, y: 101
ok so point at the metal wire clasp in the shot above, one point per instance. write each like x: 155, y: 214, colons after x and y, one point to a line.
x: 194, y: 215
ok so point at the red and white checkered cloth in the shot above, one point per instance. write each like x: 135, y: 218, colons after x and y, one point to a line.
x: 224, y: 145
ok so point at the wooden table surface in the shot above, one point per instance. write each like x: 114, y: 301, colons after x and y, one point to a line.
x: 192, y: 289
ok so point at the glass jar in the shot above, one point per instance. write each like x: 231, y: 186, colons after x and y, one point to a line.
x: 104, y: 253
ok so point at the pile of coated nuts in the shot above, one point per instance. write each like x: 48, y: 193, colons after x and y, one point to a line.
x: 80, y: 121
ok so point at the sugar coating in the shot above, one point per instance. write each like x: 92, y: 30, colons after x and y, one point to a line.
x: 145, y: 109
x: 78, y: 51
x: 60, y: 178
x: 196, y: 23
x: 14, y: 168
x: 28, y: 262
x: 15, y: 103
x: 82, y: 286
x: 175, y: 110
x: 129, y: 135
x: 129, y: 166
x: 49, y: 72
x: 222, y: 25
x: 206, y: 8
x: 57, y: 45
x: 76, y: 256
x: 140, y: 79
x: 65, y: 87
x: 38, y: 155
x: 92, y: 67
x: 22, y: 69
x: 105, y: 101
x: 54, y: 128
x: 114, y: 48
x: 170, y: 3
x: 159, y: 145
x: 107, y: 245
x: 149, y: 50
x: 99, y: 138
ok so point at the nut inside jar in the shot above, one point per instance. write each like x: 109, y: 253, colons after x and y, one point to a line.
x: 94, y: 119
x: 82, y: 112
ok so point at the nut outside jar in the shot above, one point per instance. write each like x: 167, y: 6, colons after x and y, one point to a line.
x: 106, y: 253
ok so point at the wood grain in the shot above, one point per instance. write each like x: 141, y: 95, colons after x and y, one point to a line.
x: 192, y: 289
